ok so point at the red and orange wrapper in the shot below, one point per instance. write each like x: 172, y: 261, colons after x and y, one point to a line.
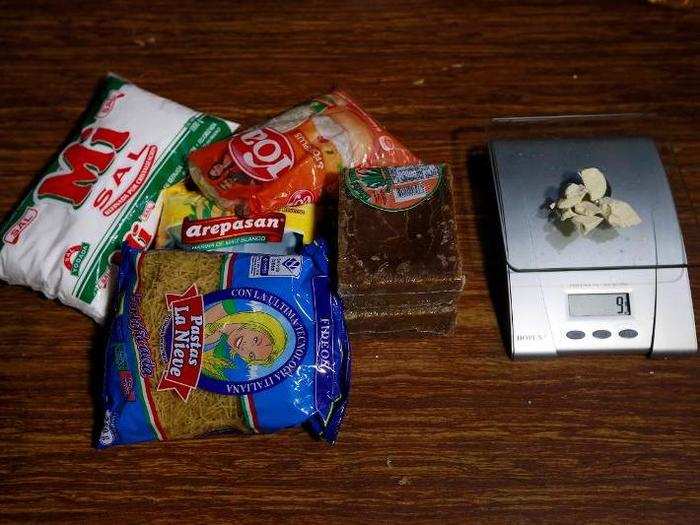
x: 293, y: 158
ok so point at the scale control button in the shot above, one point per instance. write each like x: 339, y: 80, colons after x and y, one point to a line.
x: 601, y: 334
x: 575, y: 334
x: 628, y: 333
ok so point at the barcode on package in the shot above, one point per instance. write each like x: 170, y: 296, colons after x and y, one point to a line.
x: 409, y: 192
x: 275, y: 266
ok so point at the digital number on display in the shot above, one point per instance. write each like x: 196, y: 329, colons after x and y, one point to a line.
x: 599, y: 304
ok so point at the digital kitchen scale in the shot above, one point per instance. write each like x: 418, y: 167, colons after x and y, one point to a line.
x: 614, y: 290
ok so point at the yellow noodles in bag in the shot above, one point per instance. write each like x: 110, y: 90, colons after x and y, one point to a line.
x: 206, y: 411
x: 219, y: 342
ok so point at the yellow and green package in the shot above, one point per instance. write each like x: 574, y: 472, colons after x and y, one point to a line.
x: 190, y: 221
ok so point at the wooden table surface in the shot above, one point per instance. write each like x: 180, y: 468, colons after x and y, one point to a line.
x: 438, y: 429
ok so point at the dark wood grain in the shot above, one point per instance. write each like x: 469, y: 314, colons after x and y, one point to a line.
x: 439, y: 429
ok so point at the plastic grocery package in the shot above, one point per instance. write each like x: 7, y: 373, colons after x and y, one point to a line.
x: 293, y: 158
x: 101, y: 190
x: 206, y: 342
x: 190, y: 221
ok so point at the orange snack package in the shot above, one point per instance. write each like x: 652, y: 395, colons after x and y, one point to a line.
x: 292, y: 158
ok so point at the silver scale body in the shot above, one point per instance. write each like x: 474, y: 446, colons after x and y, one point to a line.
x: 545, y: 265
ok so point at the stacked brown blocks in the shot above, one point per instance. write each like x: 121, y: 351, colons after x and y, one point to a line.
x: 399, y: 271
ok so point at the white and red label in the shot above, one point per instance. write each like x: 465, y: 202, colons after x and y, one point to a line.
x: 186, y: 343
x: 146, y: 157
x: 299, y: 197
x: 271, y: 225
x: 13, y: 234
x: 81, y: 163
x: 70, y: 254
x: 94, y: 154
x: 263, y: 154
x: 109, y: 103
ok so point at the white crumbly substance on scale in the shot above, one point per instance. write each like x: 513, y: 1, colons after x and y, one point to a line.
x: 586, y: 223
x: 573, y: 194
x: 587, y: 208
x: 619, y: 213
x: 586, y: 205
x: 595, y: 183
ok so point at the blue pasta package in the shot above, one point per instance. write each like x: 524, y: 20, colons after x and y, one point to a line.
x: 204, y: 343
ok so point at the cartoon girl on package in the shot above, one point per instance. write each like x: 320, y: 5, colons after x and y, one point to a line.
x: 236, y: 341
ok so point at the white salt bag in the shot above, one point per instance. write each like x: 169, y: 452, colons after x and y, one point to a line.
x: 99, y: 191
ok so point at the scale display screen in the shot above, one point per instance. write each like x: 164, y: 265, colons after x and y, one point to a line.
x: 599, y: 304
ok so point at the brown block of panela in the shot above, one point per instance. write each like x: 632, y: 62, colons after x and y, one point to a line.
x: 397, y: 238
x: 404, y: 321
